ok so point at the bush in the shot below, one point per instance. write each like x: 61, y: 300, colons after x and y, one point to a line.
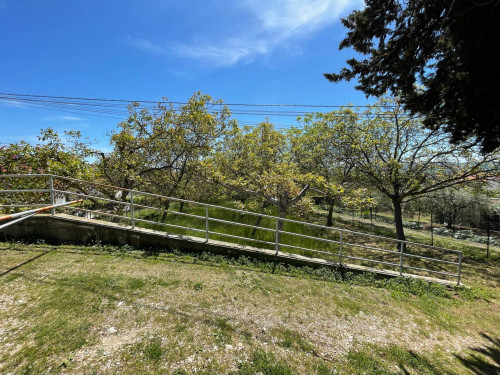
x: 411, y: 224
x: 442, y: 231
x: 484, y: 239
x: 464, y: 235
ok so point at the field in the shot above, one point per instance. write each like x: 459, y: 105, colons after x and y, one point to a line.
x: 106, y: 310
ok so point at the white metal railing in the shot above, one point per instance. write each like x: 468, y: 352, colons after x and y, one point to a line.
x: 345, y: 242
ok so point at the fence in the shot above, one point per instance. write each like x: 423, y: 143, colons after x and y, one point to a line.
x: 215, y: 222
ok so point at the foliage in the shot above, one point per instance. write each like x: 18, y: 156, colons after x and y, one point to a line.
x: 258, y: 162
x: 443, y: 231
x: 458, y: 205
x: 411, y: 224
x: 53, y: 155
x: 395, y: 155
x: 321, y: 147
x: 464, y: 235
x: 160, y: 149
x: 357, y: 160
x: 445, y: 46
x: 358, y: 199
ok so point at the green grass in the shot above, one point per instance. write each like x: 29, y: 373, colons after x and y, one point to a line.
x: 224, y: 228
x: 101, y: 309
x: 264, y: 363
x: 476, y: 269
x: 292, y: 339
x: 153, y: 349
x: 473, y: 253
x: 474, y: 250
x: 174, y: 219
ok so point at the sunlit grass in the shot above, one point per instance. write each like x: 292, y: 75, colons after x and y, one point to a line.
x: 85, y: 310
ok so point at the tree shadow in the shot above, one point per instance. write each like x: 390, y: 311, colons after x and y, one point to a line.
x: 484, y: 360
x: 25, y: 262
x: 420, y: 364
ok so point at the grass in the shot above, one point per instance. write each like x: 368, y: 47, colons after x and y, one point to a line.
x: 101, y: 309
x: 477, y: 270
x: 264, y: 363
x: 266, y: 237
x: 384, y: 229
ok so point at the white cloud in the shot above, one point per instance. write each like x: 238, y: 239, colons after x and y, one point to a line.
x: 276, y: 23
x: 229, y: 54
x: 292, y: 16
x: 64, y: 118
x: 147, y: 45
x: 71, y: 118
x: 12, y: 103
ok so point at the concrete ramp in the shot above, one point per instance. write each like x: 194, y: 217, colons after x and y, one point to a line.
x: 62, y: 228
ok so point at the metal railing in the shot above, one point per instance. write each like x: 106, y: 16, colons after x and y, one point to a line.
x: 330, y: 243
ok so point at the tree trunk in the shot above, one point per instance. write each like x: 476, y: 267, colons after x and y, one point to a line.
x: 488, y: 241
x: 280, y: 225
x: 166, y: 206
x: 449, y: 224
x: 119, y: 210
x: 257, y: 224
x: 371, y: 219
x: 398, y: 220
x: 329, y: 218
x: 242, y: 200
x: 181, y: 206
x: 432, y: 231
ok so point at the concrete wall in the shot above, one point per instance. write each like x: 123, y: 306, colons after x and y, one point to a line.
x: 70, y: 229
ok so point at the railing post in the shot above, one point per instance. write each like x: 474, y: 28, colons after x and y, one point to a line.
x: 206, y: 223
x: 340, y: 251
x: 52, y: 198
x: 276, y: 237
x: 460, y: 255
x: 401, y: 249
x: 132, y: 209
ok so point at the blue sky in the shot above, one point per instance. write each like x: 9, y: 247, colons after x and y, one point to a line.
x: 238, y: 51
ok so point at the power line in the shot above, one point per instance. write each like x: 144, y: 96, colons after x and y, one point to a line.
x: 183, y: 103
x: 115, y: 108
x: 120, y: 110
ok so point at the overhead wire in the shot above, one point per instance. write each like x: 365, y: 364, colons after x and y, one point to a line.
x: 116, y: 109
x: 182, y: 103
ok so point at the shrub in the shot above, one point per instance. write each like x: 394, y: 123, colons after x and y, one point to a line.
x: 411, y: 224
x: 484, y: 239
x: 464, y: 235
x: 443, y: 231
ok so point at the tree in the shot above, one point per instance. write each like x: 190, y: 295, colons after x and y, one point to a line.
x: 66, y: 157
x: 257, y: 161
x: 321, y: 147
x: 446, y: 46
x: 159, y: 150
x: 403, y: 160
x: 454, y: 205
x: 52, y: 155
